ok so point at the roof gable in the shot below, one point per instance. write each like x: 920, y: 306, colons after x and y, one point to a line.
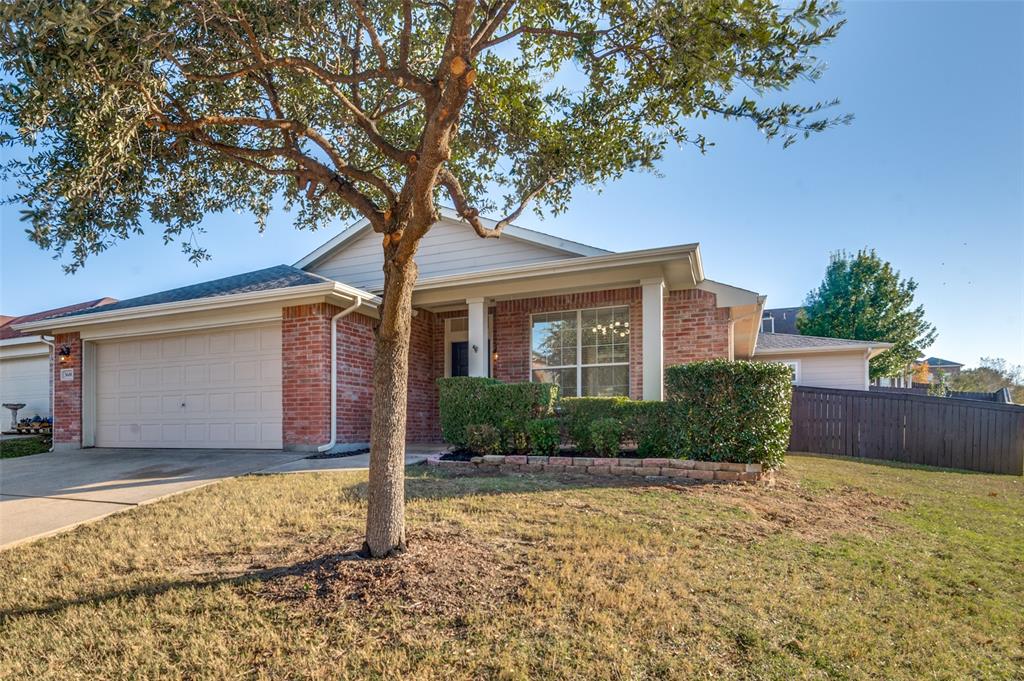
x: 450, y: 247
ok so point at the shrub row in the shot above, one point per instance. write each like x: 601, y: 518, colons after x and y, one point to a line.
x: 715, y: 411
x: 508, y: 408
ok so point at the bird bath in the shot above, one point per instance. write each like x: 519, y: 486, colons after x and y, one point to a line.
x: 14, y: 407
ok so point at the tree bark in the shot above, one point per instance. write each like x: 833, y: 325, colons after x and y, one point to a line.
x: 385, y: 516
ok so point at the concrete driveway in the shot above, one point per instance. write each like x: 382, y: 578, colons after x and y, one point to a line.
x: 46, y: 493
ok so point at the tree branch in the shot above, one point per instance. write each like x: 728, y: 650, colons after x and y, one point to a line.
x: 382, y: 57
x: 471, y: 215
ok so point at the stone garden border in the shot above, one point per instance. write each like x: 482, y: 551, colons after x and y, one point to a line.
x: 578, y: 465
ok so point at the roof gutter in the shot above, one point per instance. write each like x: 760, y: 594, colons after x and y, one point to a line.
x: 197, y: 305
x: 356, y: 304
x: 821, y: 349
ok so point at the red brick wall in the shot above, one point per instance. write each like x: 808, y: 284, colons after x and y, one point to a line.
x: 694, y: 328
x: 67, y: 395
x: 421, y: 424
x: 355, y: 378
x: 512, y: 330
x: 306, y: 374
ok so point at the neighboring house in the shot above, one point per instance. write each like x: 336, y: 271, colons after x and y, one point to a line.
x: 815, y: 361
x: 25, y: 362
x: 938, y: 366
x: 821, y: 362
x: 780, y: 320
x: 245, y: 361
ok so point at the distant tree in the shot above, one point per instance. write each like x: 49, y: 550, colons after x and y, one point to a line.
x: 991, y: 375
x: 940, y: 386
x: 922, y: 373
x: 862, y: 297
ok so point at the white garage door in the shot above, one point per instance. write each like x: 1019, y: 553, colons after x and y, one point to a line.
x: 25, y: 380
x: 211, y: 389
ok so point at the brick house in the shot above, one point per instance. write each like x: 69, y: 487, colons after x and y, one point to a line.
x: 246, y: 361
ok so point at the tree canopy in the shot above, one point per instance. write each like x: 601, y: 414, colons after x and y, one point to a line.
x: 862, y: 297
x: 166, y: 110
x: 990, y: 375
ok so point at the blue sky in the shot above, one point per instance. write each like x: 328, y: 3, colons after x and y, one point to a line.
x: 931, y: 174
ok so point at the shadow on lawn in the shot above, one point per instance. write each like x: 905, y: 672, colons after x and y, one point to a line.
x: 443, y: 571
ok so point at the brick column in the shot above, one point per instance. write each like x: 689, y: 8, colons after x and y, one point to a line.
x: 695, y: 327
x: 67, y: 394
x: 306, y: 375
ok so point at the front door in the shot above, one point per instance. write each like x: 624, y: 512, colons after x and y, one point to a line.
x: 460, y: 358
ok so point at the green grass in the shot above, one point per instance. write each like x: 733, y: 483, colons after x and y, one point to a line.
x: 841, y: 570
x: 23, y: 447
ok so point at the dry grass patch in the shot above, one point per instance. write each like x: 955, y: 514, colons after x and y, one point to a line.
x: 841, y: 570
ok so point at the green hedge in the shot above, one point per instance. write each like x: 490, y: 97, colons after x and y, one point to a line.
x: 579, y: 413
x: 715, y: 411
x: 731, y: 411
x: 461, y: 401
x: 508, y: 407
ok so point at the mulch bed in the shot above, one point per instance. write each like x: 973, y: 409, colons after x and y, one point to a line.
x: 339, y: 455
x: 441, y: 572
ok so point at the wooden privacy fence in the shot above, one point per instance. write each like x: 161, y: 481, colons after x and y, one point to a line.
x: 936, y: 431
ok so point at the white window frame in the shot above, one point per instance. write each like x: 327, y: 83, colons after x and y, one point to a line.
x: 579, y: 346
x: 793, y: 364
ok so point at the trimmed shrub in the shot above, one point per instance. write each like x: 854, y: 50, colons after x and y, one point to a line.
x: 606, y: 436
x: 507, y: 407
x: 581, y: 412
x: 510, y: 406
x: 650, y: 424
x: 545, y: 436
x: 731, y: 411
x: 483, y: 438
x: 514, y: 439
x: 462, y: 403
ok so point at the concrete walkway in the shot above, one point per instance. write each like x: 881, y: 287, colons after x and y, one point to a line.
x: 48, y: 493
x: 414, y: 453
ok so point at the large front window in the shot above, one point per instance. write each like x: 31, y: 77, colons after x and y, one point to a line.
x: 586, y: 352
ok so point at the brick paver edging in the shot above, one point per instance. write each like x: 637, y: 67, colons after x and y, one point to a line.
x: 578, y: 465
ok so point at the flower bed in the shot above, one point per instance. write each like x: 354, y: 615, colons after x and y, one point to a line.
x: 649, y: 469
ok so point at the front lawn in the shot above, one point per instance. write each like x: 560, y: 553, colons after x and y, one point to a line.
x: 23, y: 446
x: 843, y: 569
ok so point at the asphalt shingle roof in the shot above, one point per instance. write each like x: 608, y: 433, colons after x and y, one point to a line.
x: 7, y: 329
x: 277, y: 277
x: 788, y: 341
x: 934, y: 362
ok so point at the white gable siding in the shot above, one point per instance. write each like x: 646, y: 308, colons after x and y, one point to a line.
x: 846, y: 370
x: 448, y: 248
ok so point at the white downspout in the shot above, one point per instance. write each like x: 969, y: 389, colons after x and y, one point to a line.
x: 53, y: 388
x: 334, y: 372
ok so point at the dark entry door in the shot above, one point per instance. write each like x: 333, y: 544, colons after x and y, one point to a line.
x: 460, y: 358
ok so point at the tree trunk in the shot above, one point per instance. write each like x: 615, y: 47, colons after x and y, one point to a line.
x: 385, y: 516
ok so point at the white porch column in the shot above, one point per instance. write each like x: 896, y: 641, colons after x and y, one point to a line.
x: 477, y: 337
x: 653, y: 344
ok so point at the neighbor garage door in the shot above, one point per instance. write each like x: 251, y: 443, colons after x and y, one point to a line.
x: 211, y: 389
